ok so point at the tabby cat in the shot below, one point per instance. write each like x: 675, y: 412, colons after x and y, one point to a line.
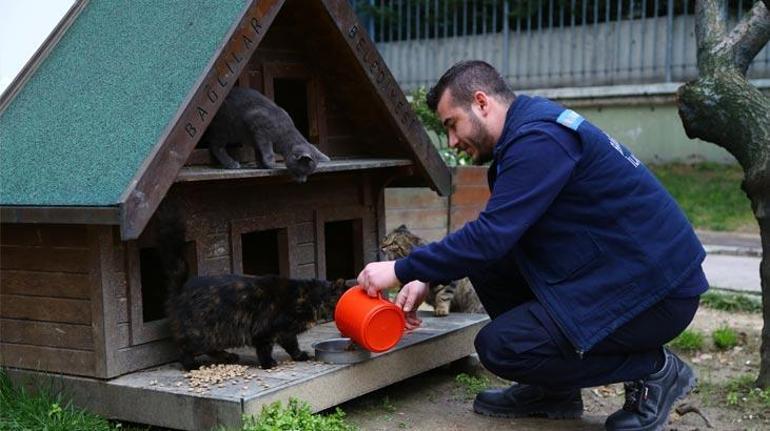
x: 249, y: 118
x: 457, y: 296
x: 208, y: 314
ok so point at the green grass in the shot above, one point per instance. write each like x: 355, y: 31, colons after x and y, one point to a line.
x: 688, y: 341
x: 296, y: 415
x: 20, y: 410
x: 731, y: 302
x: 710, y: 195
x: 472, y: 385
x: 42, y: 410
x: 741, y: 392
x: 724, y: 338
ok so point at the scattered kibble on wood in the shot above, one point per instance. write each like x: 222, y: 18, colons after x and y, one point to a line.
x: 215, y: 374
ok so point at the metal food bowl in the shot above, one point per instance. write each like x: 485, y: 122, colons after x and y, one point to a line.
x: 340, y: 351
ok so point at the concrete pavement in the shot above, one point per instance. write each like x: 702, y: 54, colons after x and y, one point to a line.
x: 739, y: 273
x: 733, y: 260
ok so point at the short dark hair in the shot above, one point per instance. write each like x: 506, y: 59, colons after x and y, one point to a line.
x: 466, y: 77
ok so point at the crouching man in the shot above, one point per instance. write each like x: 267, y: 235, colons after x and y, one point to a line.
x: 585, y: 264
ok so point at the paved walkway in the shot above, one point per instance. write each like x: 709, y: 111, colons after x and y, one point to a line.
x: 733, y: 260
x: 749, y: 241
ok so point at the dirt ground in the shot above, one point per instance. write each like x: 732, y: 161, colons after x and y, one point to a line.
x: 435, y: 401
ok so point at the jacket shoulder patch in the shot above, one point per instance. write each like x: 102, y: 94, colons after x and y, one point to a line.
x: 570, y: 118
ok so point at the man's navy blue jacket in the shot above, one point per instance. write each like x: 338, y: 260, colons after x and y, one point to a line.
x: 596, y: 236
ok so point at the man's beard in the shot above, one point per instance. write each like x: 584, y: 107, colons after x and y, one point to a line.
x: 481, y: 139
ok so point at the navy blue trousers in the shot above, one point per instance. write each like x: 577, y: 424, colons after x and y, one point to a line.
x: 522, y: 343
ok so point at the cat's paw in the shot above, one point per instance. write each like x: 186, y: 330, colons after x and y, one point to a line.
x: 441, y: 311
x: 301, y: 356
x: 232, y: 165
x: 266, y: 365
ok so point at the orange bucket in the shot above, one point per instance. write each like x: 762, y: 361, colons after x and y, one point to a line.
x: 373, y: 323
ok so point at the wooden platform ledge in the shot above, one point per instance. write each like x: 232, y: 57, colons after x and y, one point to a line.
x: 162, y: 396
x: 208, y: 173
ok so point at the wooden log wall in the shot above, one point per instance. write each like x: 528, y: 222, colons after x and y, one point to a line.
x: 217, y: 214
x: 46, y: 285
x: 64, y: 302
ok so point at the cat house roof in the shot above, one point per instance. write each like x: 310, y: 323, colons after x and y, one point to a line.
x: 99, y: 123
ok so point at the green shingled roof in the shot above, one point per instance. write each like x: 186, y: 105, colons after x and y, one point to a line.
x: 79, y: 130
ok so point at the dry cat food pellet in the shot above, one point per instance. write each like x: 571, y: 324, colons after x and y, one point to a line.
x: 215, y: 374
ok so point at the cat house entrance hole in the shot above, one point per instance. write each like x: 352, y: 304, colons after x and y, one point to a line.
x: 154, y: 280
x: 343, y: 249
x: 291, y: 95
x: 264, y: 252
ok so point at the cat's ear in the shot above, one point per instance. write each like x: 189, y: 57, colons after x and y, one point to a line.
x: 321, y: 157
x: 402, y: 227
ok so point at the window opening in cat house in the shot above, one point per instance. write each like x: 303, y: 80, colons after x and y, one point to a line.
x: 263, y: 252
x: 343, y: 246
x: 154, y: 280
x: 291, y: 95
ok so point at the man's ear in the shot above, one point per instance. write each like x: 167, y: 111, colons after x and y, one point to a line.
x: 482, y: 100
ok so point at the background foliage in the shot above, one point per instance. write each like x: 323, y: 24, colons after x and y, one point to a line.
x: 436, y: 131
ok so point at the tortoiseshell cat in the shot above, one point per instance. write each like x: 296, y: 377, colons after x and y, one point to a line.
x: 249, y: 118
x: 208, y: 314
x: 457, y: 296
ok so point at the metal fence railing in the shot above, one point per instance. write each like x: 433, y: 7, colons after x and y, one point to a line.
x: 544, y: 43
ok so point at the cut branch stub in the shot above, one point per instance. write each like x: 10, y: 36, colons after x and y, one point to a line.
x: 725, y: 109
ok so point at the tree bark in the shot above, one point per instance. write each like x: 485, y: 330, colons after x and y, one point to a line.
x: 722, y: 107
x: 763, y: 380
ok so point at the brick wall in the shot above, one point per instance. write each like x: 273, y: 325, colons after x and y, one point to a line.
x: 430, y: 216
x: 470, y: 193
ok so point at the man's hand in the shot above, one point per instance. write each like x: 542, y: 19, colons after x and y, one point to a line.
x: 377, y: 276
x: 409, y: 298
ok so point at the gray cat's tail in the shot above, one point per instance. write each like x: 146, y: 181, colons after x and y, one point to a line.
x: 171, y: 247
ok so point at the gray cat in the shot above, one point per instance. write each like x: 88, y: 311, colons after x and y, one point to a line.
x: 249, y: 118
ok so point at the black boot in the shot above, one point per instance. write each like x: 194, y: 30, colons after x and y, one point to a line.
x: 528, y: 400
x: 649, y: 400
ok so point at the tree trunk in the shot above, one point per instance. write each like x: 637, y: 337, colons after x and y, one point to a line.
x: 763, y: 381
x: 722, y: 107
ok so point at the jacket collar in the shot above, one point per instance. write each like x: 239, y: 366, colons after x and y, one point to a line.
x: 512, y: 122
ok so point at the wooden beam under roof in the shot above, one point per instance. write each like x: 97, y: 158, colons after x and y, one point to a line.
x: 57, y: 214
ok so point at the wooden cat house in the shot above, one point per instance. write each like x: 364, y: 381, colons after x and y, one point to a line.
x: 103, y: 126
